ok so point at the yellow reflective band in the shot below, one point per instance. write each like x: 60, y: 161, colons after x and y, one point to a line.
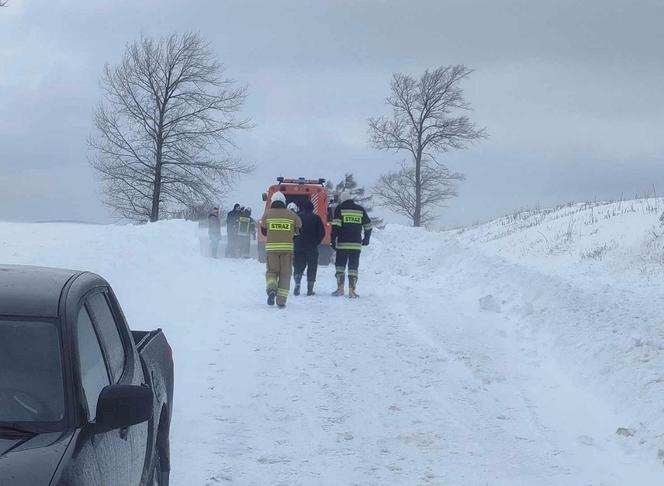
x: 352, y: 273
x: 279, y: 247
x: 336, y: 222
x: 352, y: 218
x: 349, y: 246
x: 282, y: 292
x: 352, y: 211
x: 279, y: 225
x: 368, y: 226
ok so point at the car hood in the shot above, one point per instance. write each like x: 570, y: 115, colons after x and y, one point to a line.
x: 31, y: 461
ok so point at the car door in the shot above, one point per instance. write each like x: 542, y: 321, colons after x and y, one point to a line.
x: 112, y: 451
x: 124, y: 369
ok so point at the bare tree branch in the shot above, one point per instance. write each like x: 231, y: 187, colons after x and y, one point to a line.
x: 396, y: 190
x: 423, y: 123
x: 164, y: 128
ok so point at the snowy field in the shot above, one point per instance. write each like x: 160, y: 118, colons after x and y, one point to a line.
x: 526, y: 351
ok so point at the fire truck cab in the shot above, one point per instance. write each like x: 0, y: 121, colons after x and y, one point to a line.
x: 297, y: 191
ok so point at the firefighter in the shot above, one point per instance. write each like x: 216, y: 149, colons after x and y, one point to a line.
x: 280, y: 225
x: 214, y: 231
x: 231, y: 229
x: 350, y: 221
x: 306, y: 247
x: 293, y: 207
x: 246, y: 228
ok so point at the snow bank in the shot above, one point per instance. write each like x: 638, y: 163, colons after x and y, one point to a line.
x: 524, y: 351
x: 614, y: 237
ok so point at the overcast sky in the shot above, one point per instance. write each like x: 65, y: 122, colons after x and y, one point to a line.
x: 571, y: 92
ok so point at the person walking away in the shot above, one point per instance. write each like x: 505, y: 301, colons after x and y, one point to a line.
x: 246, y: 227
x: 306, y: 248
x: 349, y: 223
x: 214, y: 231
x: 231, y: 229
x: 280, y: 225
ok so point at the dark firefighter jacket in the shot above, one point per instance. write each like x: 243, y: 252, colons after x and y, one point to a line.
x: 349, y: 221
x: 280, y: 225
x: 312, y: 232
x: 232, y: 221
x: 245, y: 224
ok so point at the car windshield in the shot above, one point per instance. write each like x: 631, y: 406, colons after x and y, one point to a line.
x: 31, y: 383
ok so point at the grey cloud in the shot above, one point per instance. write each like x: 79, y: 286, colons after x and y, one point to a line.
x: 570, y: 91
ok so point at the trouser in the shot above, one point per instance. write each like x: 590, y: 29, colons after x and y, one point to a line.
x: 231, y: 247
x: 278, y: 275
x: 214, y: 246
x: 244, y: 245
x: 306, y: 258
x: 350, y: 258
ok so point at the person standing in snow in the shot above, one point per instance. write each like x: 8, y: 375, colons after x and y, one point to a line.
x: 350, y: 221
x: 306, y: 248
x: 214, y: 231
x: 280, y: 225
x: 246, y: 228
x: 231, y: 229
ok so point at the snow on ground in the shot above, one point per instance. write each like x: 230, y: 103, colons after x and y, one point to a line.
x: 526, y: 351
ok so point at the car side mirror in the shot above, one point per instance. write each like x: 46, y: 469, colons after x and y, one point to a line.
x: 264, y: 196
x: 121, y: 406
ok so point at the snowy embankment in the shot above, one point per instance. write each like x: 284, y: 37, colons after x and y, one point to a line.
x: 520, y: 352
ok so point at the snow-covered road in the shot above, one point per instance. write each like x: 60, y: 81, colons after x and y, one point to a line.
x: 456, y: 367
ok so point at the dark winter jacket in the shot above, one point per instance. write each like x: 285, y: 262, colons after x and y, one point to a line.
x: 232, y: 221
x: 246, y: 224
x: 214, y: 226
x: 349, y: 221
x: 312, y: 232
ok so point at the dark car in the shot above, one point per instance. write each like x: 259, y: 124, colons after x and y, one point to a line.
x: 84, y: 401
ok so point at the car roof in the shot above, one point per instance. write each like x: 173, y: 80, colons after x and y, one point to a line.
x: 32, y: 291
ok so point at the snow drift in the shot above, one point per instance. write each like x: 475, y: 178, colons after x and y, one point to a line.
x: 523, y: 351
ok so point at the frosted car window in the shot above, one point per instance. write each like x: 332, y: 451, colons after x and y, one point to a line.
x: 109, y: 334
x: 94, y: 376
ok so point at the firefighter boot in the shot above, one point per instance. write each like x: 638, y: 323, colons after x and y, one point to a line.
x: 340, y: 285
x: 271, y: 296
x: 352, y: 283
x: 298, y: 281
x: 310, y: 288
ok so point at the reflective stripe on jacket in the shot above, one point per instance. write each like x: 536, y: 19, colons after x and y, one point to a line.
x: 350, y: 220
x: 280, y: 225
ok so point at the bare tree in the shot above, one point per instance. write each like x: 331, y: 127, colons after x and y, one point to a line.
x: 397, y: 190
x: 164, y: 128
x: 423, y: 123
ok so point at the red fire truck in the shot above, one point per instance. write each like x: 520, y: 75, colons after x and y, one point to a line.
x: 297, y: 191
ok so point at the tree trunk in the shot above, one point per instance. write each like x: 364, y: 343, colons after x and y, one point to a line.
x: 156, y: 190
x: 417, y: 214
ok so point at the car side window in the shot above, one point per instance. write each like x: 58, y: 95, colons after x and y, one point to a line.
x: 109, y: 334
x: 94, y: 375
